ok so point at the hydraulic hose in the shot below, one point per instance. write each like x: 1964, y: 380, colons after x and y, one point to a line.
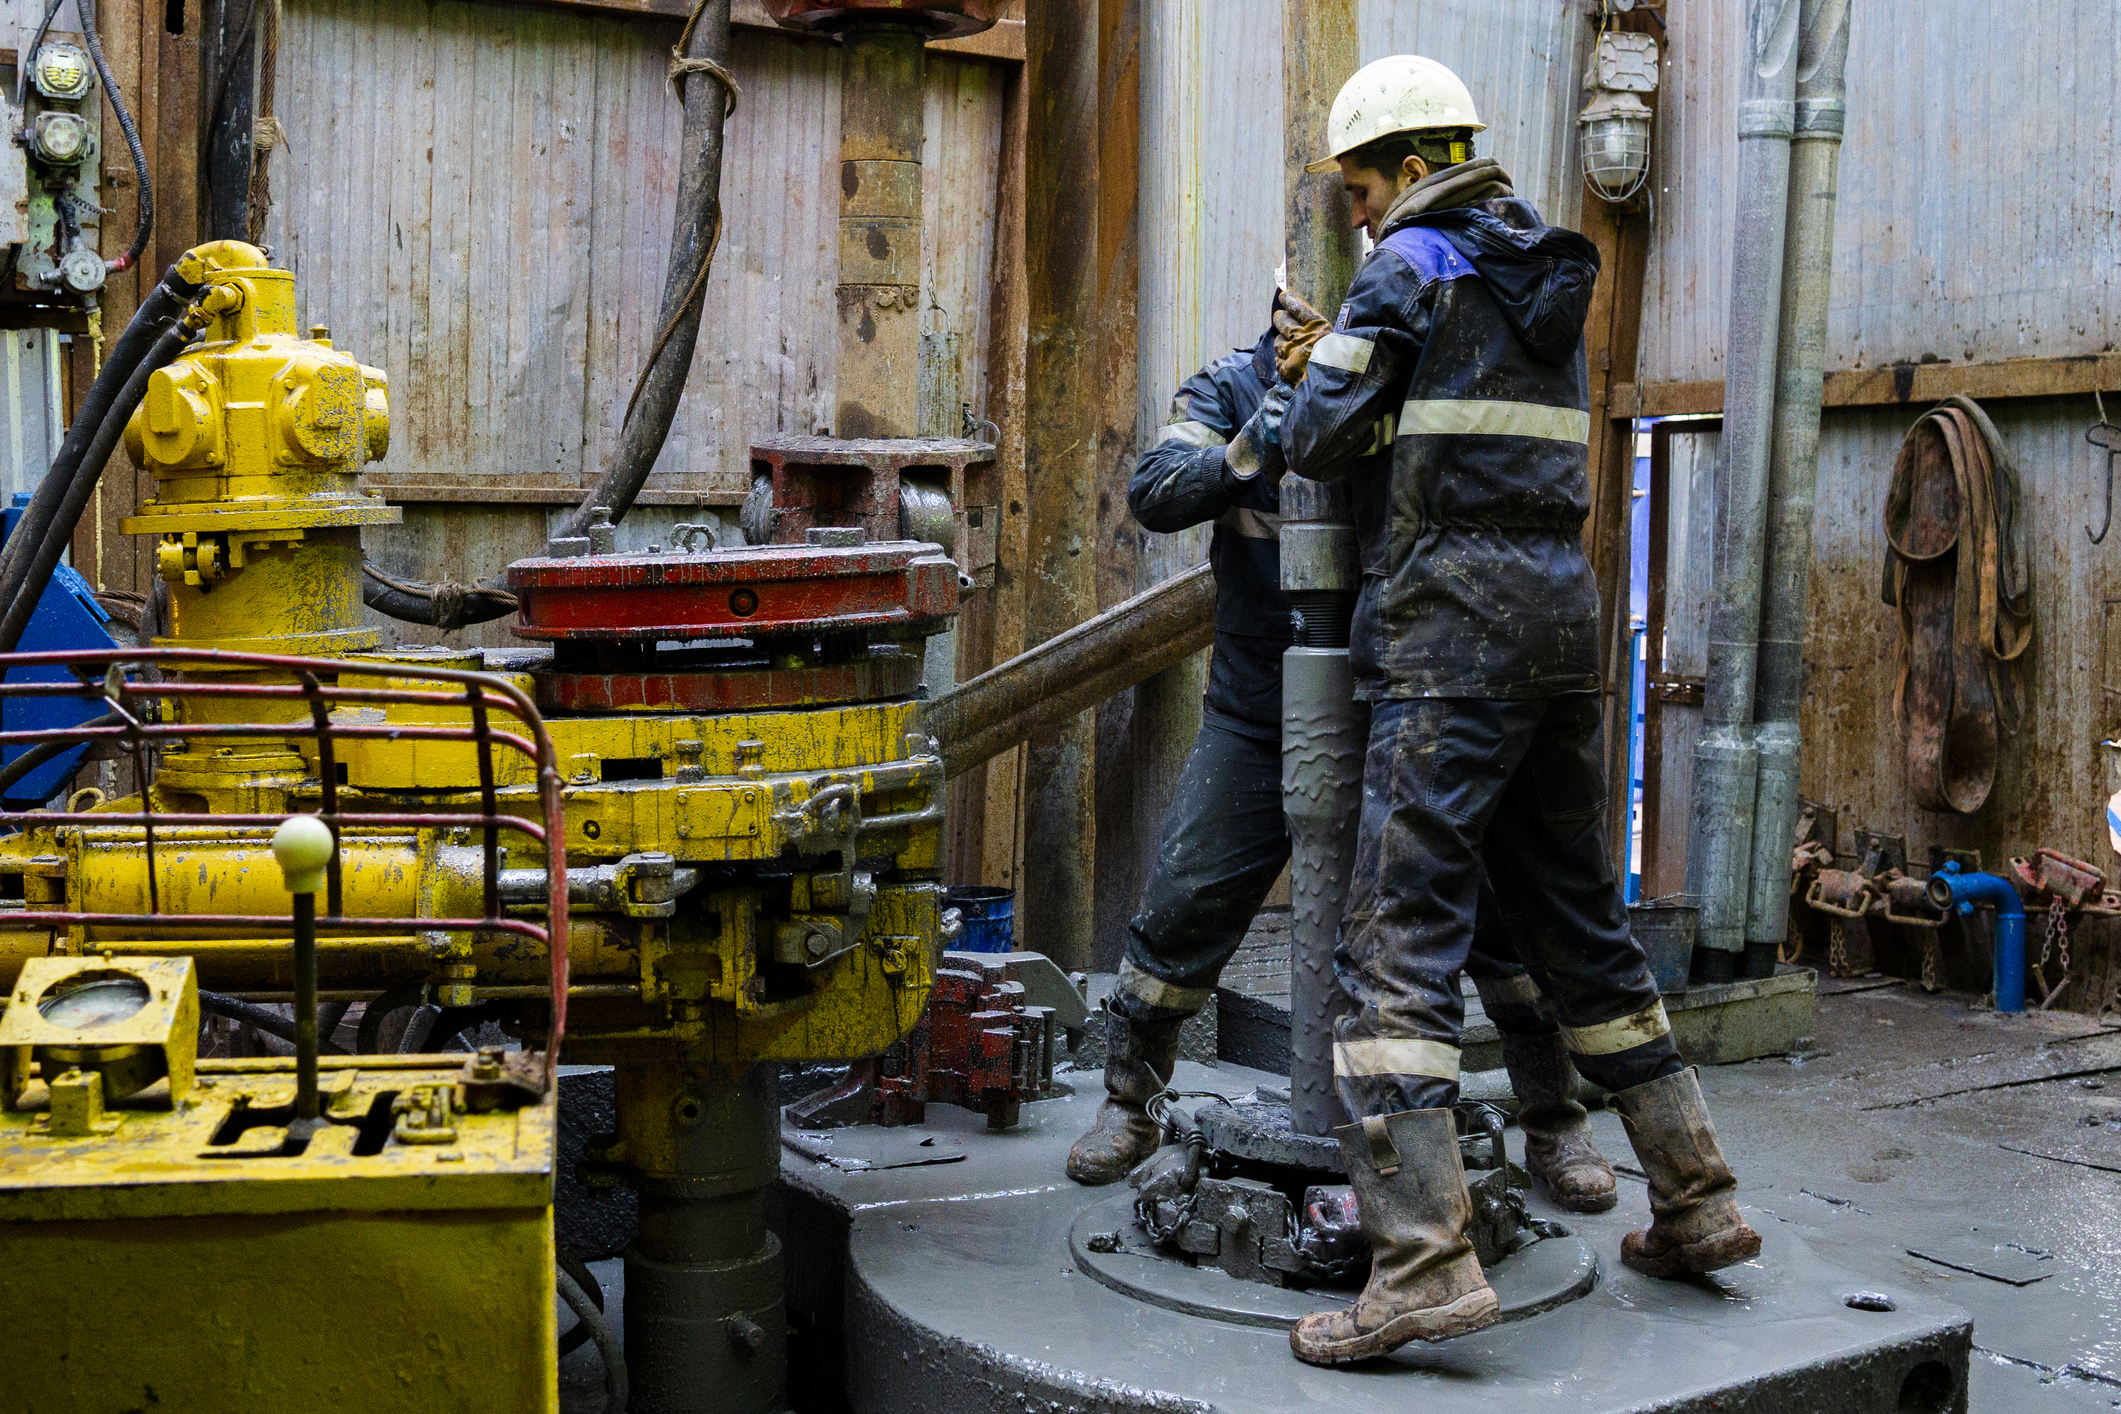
x: 21, y: 597
x: 263, y: 1018
x: 166, y: 302
x: 45, y: 751
x: 702, y: 53
x: 592, y: 1319
x: 445, y: 605
x: 146, y: 223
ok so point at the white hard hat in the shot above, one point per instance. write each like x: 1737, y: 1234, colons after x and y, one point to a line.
x: 1397, y: 94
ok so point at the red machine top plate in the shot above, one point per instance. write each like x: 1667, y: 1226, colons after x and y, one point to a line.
x: 746, y: 592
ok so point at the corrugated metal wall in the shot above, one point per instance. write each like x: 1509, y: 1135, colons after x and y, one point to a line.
x: 1977, y: 209
x: 483, y: 193
x: 1211, y: 151
x: 1976, y: 222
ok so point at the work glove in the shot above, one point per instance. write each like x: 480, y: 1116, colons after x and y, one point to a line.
x: 1297, y: 327
x: 1257, y: 445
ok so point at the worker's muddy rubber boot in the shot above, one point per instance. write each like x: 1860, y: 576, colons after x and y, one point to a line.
x: 1557, y: 1134
x: 1694, y: 1221
x: 1425, y: 1283
x: 1139, y: 1059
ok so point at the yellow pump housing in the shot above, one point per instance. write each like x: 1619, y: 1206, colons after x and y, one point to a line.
x: 255, y: 437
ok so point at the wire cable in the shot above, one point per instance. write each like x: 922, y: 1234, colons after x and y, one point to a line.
x: 146, y: 223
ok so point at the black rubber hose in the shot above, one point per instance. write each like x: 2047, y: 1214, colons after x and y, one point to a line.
x: 45, y: 751
x: 165, y: 303
x: 21, y: 597
x: 600, y: 1331
x: 577, y: 1335
x: 710, y: 97
x: 22, y: 60
x: 436, y: 605
x: 261, y: 1018
x: 146, y: 223
x: 708, y: 102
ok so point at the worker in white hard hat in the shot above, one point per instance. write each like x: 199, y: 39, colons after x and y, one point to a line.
x: 1451, y: 396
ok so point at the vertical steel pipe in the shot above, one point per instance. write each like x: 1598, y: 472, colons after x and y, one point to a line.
x: 1720, y: 837
x: 881, y: 120
x: 706, y: 1332
x: 1793, y: 468
x: 1323, y: 729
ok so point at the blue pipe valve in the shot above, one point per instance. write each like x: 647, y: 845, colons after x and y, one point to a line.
x: 1953, y: 887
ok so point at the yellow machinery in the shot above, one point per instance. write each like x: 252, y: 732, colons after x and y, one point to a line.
x: 751, y: 814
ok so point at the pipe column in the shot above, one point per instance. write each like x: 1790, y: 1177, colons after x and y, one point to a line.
x: 1726, y: 766
x: 1324, y: 731
x: 1793, y: 469
x: 705, y: 1327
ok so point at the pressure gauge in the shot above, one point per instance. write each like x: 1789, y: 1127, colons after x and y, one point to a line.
x: 60, y: 139
x: 61, y: 71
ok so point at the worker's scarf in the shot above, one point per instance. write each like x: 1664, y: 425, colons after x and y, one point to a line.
x: 1467, y: 183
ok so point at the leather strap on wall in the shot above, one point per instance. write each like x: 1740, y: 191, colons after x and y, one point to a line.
x: 1955, y: 567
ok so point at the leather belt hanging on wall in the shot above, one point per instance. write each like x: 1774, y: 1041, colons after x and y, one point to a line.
x: 1956, y: 569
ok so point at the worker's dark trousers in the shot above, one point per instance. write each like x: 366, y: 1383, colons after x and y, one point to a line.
x: 1457, y: 791
x: 1224, y: 843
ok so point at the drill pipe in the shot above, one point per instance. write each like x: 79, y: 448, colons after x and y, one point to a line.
x: 1071, y: 672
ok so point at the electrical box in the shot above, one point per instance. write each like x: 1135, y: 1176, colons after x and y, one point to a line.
x: 51, y: 166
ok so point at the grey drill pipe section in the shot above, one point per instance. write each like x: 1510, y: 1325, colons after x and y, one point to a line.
x: 1719, y: 844
x: 1323, y: 731
x: 1793, y: 470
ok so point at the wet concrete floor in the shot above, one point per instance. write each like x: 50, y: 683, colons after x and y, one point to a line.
x: 1914, y: 1124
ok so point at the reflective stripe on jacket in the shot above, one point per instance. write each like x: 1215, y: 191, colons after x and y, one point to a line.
x: 1452, y: 398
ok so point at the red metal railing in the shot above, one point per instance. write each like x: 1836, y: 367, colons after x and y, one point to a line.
x: 101, y: 678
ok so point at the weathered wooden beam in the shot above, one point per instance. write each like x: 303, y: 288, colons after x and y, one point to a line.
x: 1060, y: 430
x: 1897, y: 384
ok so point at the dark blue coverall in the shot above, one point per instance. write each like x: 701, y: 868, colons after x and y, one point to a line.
x: 1224, y: 839
x: 1475, y: 641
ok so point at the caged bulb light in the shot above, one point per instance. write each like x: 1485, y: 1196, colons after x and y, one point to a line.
x: 1614, y: 131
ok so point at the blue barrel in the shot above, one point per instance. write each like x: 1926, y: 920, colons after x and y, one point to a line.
x: 990, y: 917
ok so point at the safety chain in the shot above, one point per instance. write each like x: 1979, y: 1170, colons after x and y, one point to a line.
x: 1837, y: 949
x: 1179, y: 1129
x: 1929, y: 962
x: 2057, y: 939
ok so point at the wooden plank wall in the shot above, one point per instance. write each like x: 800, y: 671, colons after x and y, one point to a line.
x: 477, y: 199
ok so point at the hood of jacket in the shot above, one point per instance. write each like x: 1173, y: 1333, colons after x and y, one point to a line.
x: 1540, y: 275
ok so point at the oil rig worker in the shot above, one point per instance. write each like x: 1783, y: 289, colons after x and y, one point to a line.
x: 1225, y: 839
x: 1475, y: 641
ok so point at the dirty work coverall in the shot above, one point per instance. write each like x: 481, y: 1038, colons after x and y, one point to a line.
x: 1225, y: 837
x: 1459, y: 349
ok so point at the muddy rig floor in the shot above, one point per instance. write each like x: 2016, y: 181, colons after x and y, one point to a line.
x: 1963, y: 1164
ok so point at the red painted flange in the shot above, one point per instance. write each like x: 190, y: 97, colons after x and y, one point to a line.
x: 872, y: 679
x: 753, y: 591
x: 945, y: 19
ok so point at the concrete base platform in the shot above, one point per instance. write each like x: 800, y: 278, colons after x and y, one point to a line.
x: 933, y: 1282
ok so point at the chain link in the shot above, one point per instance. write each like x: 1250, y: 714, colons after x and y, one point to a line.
x: 1930, y: 983
x: 1837, y: 950
x: 2057, y: 940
